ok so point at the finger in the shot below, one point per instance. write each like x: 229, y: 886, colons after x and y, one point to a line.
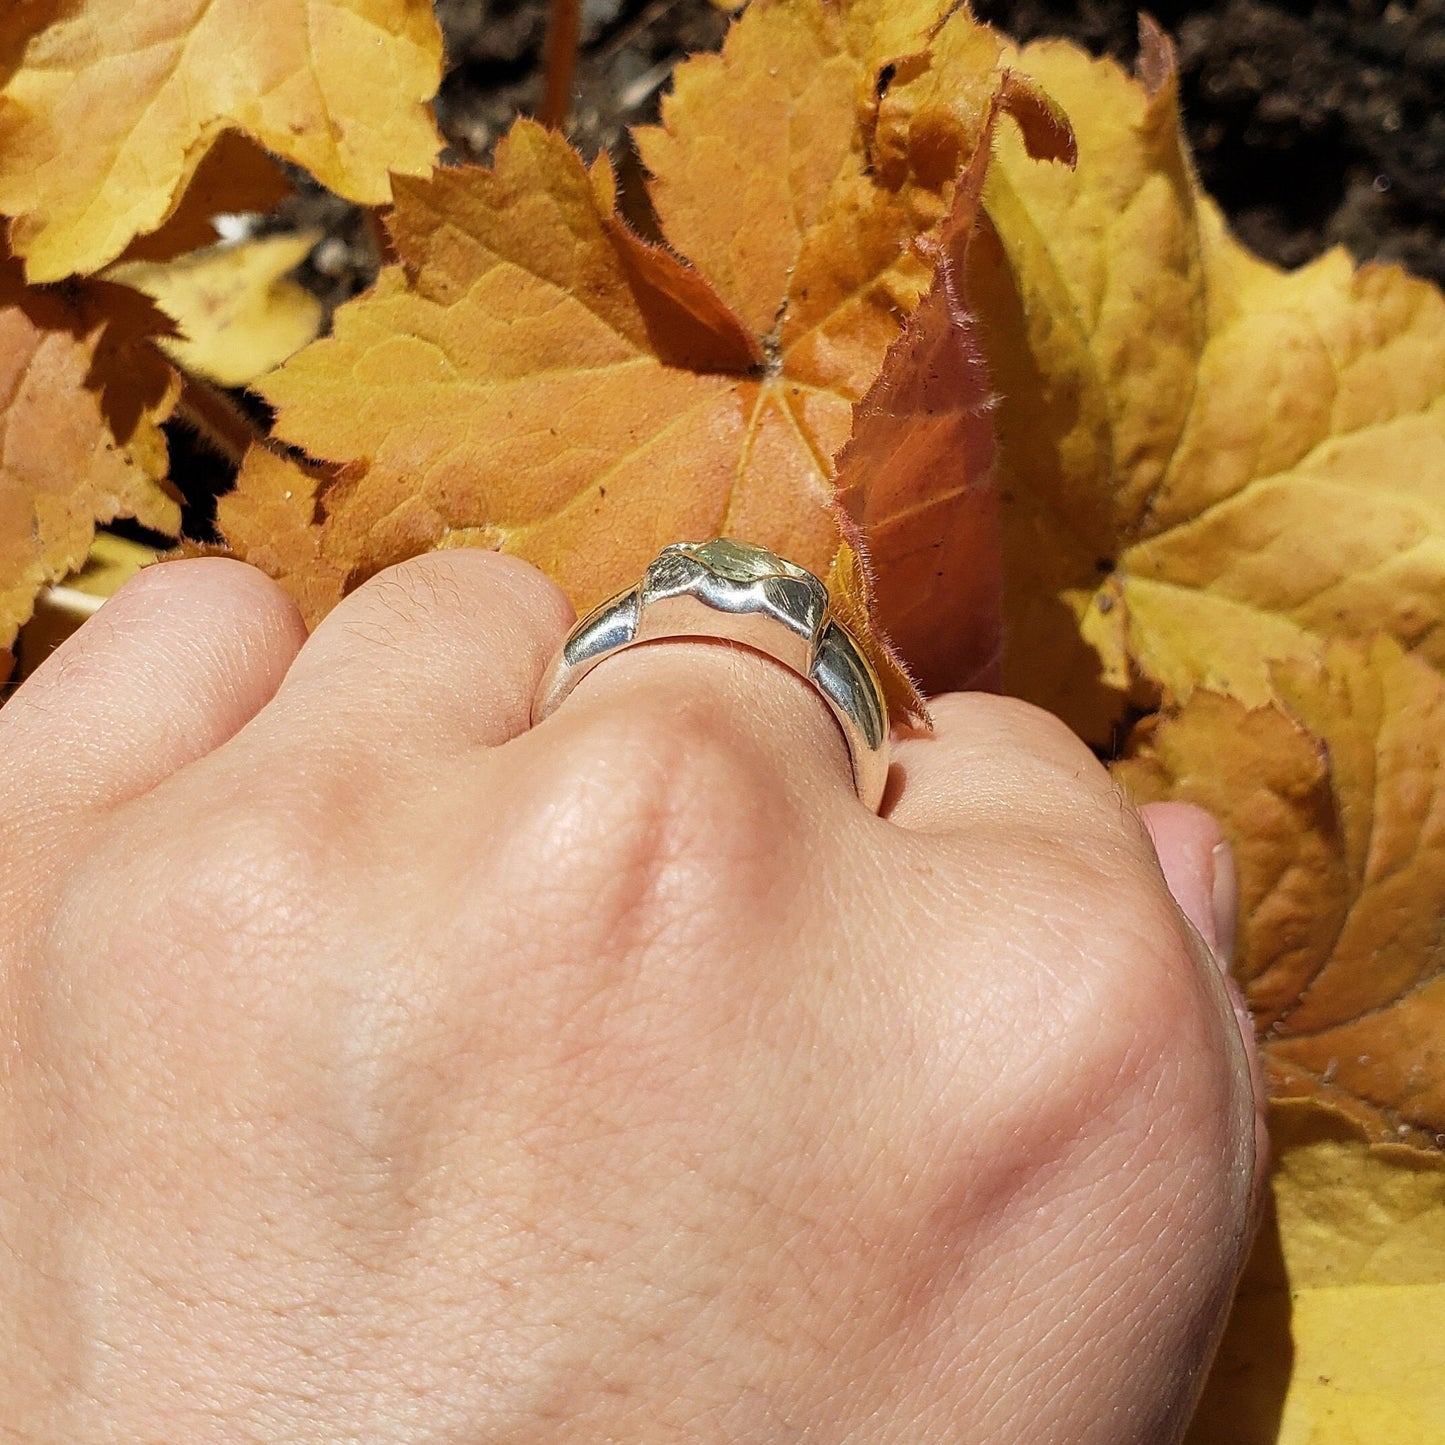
x: 1199, y: 869
x: 177, y: 662
x: 989, y: 756
x: 439, y: 653
x: 719, y: 695
x: 1198, y: 866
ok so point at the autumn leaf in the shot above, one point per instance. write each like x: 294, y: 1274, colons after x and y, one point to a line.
x: 929, y: 402
x: 1210, y: 464
x: 534, y: 376
x: 238, y: 313
x: 235, y: 176
x: 1334, y: 801
x: 1335, y: 1335
x: 82, y: 395
x: 272, y: 522
x: 61, y: 608
x: 110, y: 107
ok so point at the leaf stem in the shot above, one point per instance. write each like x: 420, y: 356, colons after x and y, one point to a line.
x: 563, y: 35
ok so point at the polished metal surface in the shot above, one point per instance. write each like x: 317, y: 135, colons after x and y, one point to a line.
x: 745, y: 594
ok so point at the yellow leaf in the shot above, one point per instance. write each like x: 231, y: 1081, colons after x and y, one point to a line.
x: 1211, y: 464
x: 110, y: 562
x: 1335, y: 1337
x: 239, y: 315
x: 272, y: 523
x: 236, y: 175
x: 112, y: 106
x: 535, y: 377
x: 83, y: 396
x: 61, y: 608
x: 1309, y: 489
x: 1335, y: 805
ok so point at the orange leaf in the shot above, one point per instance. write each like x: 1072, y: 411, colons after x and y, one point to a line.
x: 917, y: 477
x: 271, y: 522
x: 850, y: 596
x: 1335, y: 806
x: 82, y: 396
x: 110, y: 107
x: 536, y: 378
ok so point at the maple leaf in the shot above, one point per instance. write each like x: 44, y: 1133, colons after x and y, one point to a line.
x: 272, y: 522
x: 1335, y: 1333
x: 1334, y: 802
x: 110, y: 107
x: 537, y: 378
x: 1209, y: 464
x: 64, y: 606
x: 235, y: 176
x: 82, y: 395
x: 238, y: 314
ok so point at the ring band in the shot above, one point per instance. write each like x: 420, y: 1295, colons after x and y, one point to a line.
x: 745, y: 594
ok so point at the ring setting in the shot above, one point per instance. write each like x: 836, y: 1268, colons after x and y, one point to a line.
x: 740, y: 593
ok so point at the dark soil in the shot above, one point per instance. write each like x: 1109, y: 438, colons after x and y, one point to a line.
x: 1313, y: 124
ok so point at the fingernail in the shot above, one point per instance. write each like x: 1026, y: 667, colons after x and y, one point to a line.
x: 1224, y: 900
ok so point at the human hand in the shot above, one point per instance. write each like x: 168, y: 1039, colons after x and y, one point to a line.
x: 378, y: 1068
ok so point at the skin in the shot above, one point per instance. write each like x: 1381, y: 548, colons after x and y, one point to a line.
x: 376, y: 1067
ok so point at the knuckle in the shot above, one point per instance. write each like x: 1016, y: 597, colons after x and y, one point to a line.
x: 250, y: 870
x: 451, y: 581
x: 231, y: 881
x: 659, y: 816
x: 1144, y: 1027
x: 1016, y: 722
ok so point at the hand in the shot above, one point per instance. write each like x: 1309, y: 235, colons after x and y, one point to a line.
x: 376, y: 1068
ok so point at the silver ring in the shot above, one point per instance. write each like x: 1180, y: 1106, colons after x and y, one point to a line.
x: 744, y: 594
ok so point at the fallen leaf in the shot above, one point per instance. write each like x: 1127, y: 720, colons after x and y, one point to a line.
x: 110, y: 107
x: 80, y: 442
x: 850, y: 598
x: 61, y: 608
x: 1209, y: 464
x: 238, y: 313
x: 1334, y: 802
x: 235, y: 177
x: 271, y: 522
x: 1335, y: 1335
x: 534, y: 375
x: 917, y: 480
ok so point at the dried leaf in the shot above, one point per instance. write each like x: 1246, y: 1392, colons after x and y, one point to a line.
x: 110, y: 108
x: 60, y: 609
x: 272, y: 523
x: 1335, y: 805
x: 238, y: 313
x: 1209, y: 464
x: 917, y: 480
x: 235, y: 176
x: 534, y: 374
x: 1335, y: 1335
x: 81, y: 401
